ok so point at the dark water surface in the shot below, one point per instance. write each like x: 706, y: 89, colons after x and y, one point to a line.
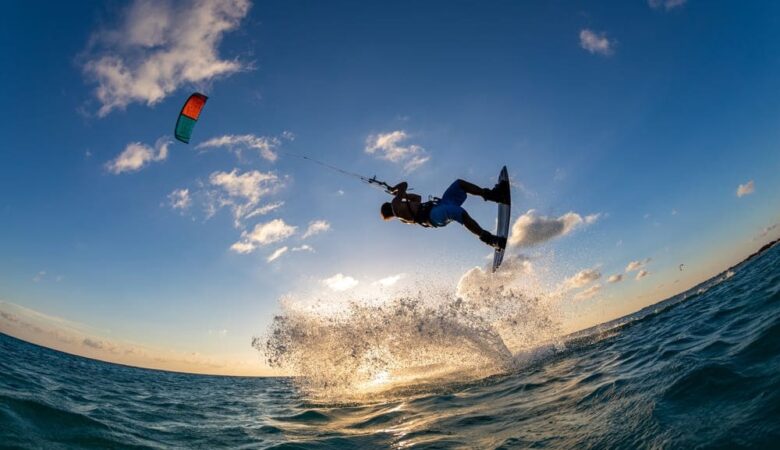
x: 700, y: 370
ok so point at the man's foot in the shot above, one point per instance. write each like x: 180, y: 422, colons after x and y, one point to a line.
x: 492, y: 240
x: 499, y: 193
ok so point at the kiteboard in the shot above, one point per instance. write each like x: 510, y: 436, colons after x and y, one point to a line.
x: 502, y: 224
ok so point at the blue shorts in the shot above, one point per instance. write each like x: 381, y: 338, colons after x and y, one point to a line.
x: 448, y: 208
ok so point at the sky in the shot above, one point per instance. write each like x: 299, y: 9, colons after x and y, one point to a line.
x: 638, y: 135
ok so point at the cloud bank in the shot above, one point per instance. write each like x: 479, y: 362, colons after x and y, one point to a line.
x: 746, y: 189
x: 340, y: 282
x: 137, y: 155
x: 388, y: 146
x: 316, y: 227
x: 265, y: 146
x: 582, y: 278
x: 588, y: 293
x: 617, y: 278
x: 276, y: 254
x: 532, y: 229
x: 157, y: 47
x: 263, y: 234
x: 242, y: 193
x: 72, y: 337
x: 596, y: 43
x: 636, y: 265
x: 180, y: 199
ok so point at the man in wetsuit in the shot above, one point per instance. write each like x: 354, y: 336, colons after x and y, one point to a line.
x: 409, y: 208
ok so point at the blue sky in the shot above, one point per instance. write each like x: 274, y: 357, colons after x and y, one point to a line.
x: 628, y: 128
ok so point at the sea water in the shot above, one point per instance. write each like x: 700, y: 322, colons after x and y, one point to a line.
x: 699, y: 370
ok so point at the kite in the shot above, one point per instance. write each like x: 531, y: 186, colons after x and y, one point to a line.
x: 189, y: 116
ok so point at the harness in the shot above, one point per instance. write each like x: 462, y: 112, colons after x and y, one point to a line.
x: 423, y: 216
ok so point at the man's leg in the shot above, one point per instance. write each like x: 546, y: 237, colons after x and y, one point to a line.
x: 484, y: 235
x: 471, y: 224
x: 498, y: 194
x: 472, y: 188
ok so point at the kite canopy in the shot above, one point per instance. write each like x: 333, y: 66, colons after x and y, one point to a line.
x: 189, y: 115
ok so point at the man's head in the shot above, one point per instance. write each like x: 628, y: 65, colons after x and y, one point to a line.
x: 387, y: 211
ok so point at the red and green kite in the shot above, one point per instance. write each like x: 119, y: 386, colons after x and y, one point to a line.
x: 189, y: 115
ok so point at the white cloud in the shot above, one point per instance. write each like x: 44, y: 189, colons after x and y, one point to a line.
x: 249, y: 185
x: 531, y: 229
x: 617, y: 278
x: 633, y: 265
x: 242, y: 192
x: 263, y: 234
x: 340, y: 282
x: 596, y: 43
x: 316, y: 227
x: 136, y: 155
x: 636, y: 265
x: 39, y: 276
x: 277, y: 253
x: 265, y: 209
x: 391, y: 280
x: 746, y: 189
x: 158, y: 47
x: 264, y: 145
x: 588, y: 293
x: 582, y: 278
x: 590, y: 219
x: 641, y: 274
x: 180, y: 199
x: 243, y: 247
x: 388, y: 146
x: 303, y: 248
x: 666, y: 4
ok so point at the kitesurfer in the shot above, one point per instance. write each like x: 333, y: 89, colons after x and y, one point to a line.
x: 409, y: 208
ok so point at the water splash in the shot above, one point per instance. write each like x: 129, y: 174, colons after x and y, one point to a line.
x: 432, y: 336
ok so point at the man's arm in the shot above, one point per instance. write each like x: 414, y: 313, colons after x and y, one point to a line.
x: 399, y: 190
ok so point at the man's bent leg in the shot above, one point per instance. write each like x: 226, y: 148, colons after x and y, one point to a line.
x: 499, y: 194
x: 484, y: 235
x: 472, y: 188
x: 471, y: 224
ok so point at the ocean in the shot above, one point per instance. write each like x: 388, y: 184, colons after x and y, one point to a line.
x: 699, y: 370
